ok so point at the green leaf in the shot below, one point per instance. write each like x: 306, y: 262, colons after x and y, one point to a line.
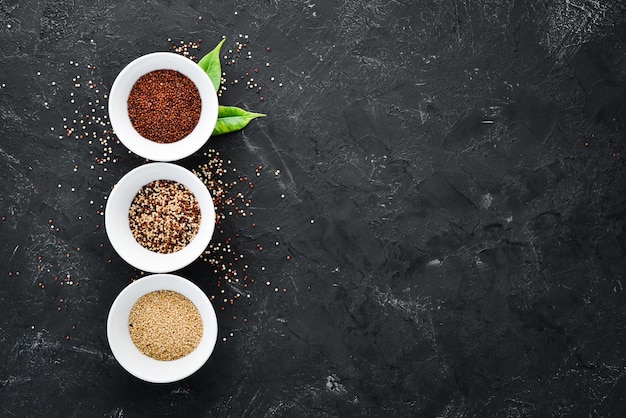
x: 231, y: 119
x: 210, y: 63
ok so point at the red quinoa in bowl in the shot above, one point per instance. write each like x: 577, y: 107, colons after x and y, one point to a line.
x: 164, y: 106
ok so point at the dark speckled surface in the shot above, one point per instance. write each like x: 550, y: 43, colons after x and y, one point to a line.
x: 441, y: 208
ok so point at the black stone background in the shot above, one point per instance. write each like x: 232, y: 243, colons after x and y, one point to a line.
x: 463, y: 163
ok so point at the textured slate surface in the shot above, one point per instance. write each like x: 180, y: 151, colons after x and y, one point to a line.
x: 441, y: 208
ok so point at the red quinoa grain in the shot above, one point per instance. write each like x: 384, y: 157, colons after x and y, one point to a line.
x: 164, y: 106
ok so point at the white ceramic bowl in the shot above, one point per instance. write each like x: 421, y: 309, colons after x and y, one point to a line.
x: 118, y: 228
x: 118, y: 107
x: 141, y: 365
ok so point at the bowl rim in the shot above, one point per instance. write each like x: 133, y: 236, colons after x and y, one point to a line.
x: 118, y: 229
x: 131, y: 358
x: 118, y: 107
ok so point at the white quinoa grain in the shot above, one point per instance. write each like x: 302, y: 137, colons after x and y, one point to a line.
x: 165, y: 325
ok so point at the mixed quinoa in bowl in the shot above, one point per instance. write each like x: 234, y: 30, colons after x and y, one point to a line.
x: 159, y: 217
